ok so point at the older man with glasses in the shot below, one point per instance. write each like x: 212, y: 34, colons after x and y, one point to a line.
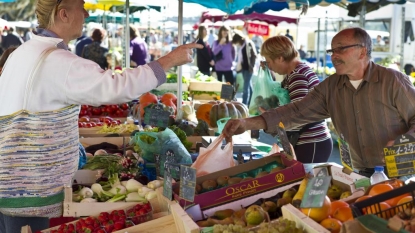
x: 370, y: 105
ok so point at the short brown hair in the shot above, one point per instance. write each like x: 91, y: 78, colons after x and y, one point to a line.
x: 4, y: 56
x: 97, y: 35
x: 200, y: 32
x: 279, y: 46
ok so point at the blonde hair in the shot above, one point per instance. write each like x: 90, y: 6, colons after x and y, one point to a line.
x: 46, y: 11
x: 279, y: 46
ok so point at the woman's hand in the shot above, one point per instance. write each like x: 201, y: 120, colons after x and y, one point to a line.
x: 212, y: 63
x: 222, y: 41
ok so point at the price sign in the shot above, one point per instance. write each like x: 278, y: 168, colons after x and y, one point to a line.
x: 285, y: 143
x: 400, y: 158
x: 187, y: 183
x: 344, y: 150
x: 315, y: 192
x: 167, y: 186
x: 227, y: 92
x: 157, y: 159
x: 173, y: 169
x: 157, y: 116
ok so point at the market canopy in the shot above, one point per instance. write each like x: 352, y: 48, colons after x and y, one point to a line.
x: 110, y: 17
x: 270, y: 19
x: 1, y: 1
x: 228, y: 6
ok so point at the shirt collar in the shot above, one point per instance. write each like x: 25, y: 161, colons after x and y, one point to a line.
x: 48, y: 33
x: 368, y: 77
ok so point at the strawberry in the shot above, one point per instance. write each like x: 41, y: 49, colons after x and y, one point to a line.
x: 100, y: 231
x: 128, y: 223
x: 119, y: 225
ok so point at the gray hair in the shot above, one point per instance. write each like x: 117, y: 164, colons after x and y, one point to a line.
x: 364, y: 38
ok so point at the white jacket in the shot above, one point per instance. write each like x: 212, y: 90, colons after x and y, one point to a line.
x: 64, y: 79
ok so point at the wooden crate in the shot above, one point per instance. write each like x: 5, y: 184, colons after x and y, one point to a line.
x: 302, y: 221
x: 76, y: 209
x: 119, y: 141
x: 172, y: 87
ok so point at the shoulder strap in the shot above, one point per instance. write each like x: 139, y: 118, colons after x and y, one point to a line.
x: 33, y: 73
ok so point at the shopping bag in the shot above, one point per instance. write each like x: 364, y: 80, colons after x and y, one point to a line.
x: 214, y: 158
x: 164, y: 143
x: 266, y: 93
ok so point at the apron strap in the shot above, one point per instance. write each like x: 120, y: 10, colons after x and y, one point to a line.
x: 29, y: 83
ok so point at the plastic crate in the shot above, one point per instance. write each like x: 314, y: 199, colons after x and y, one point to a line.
x: 373, y: 202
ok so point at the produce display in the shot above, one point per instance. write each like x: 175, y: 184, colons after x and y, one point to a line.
x: 212, y: 111
x: 108, y: 222
x: 280, y: 226
x: 114, y: 110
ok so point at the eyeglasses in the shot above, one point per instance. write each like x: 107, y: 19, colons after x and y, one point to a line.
x: 340, y: 50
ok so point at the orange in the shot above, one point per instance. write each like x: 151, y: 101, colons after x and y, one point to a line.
x: 343, y: 214
x: 337, y: 204
x: 362, y: 198
x: 332, y: 224
x: 374, y: 209
x: 394, y: 201
x: 396, y: 183
x: 380, y: 188
x: 319, y: 214
x: 404, y: 200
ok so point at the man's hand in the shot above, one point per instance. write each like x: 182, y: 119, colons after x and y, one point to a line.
x: 179, y: 56
x: 233, y: 126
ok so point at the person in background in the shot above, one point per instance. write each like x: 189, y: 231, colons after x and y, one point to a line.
x: 114, y: 60
x: 223, y: 49
x: 379, y: 40
x: 409, y: 69
x: 138, y: 48
x: 95, y: 51
x: 11, y: 39
x: 81, y: 42
x: 370, y: 105
x: 35, y: 173
x: 302, y: 53
x: 311, y: 142
x: 204, y: 56
x: 4, y: 57
x: 288, y: 35
x: 258, y: 40
x: 29, y: 33
x: 211, y: 38
x: 245, y: 62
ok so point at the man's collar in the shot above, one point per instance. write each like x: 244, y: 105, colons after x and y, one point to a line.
x: 368, y: 76
x: 48, y: 33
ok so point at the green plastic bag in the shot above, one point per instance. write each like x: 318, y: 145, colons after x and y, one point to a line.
x: 164, y: 143
x: 267, y: 93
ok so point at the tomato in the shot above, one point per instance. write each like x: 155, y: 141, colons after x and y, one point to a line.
x: 83, y: 112
x: 124, y: 106
x: 108, y: 121
x: 81, y: 124
x: 100, y: 123
x: 88, y: 125
x: 119, y: 113
x: 96, y: 111
x: 84, y: 107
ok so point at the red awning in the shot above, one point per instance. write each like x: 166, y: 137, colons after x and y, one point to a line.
x: 270, y: 19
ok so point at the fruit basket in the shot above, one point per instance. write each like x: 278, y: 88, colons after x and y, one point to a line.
x: 373, y: 204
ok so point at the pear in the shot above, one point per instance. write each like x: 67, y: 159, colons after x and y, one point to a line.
x: 289, y: 193
x: 247, y: 178
x: 238, y: 221
x: 334, y: 192
x: 205, y: 223
x: 234, y: 180
x: 261, y: 174
x: 225, y: 221
x: 209, y: 184
x: 222, y: 214
x: 254, y: 215
x: 240, y: 214
x: 276, y: 169
x: 283, y: 201
x: 223, y: 180
x: 269, y: 206
x: 345, y: 194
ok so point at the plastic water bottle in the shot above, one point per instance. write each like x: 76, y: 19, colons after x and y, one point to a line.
x: 378, y: 176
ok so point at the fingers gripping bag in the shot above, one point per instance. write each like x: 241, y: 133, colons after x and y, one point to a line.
x: 267, y: 93
x: 214, y: 158
x: 164, y: 143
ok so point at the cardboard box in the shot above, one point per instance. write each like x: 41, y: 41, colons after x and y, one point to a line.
x: 172, y: 87
x: 339, y: 173
x: 76, y: 209
x: 293, y: 172
x: 205, y: 86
